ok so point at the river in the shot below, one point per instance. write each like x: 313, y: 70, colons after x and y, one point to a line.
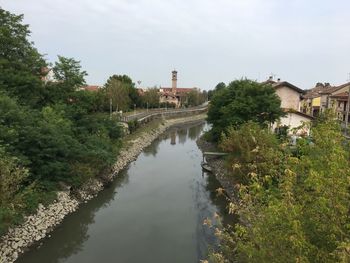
x: 153, y: 211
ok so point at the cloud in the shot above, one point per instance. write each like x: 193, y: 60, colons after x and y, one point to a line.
x: 207, y: 41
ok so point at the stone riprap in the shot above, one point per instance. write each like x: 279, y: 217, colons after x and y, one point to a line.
x: 38, y: 226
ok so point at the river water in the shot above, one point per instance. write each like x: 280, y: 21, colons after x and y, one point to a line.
x: 153, y: 212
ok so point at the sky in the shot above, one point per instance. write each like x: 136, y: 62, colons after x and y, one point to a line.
x: 206, y: 41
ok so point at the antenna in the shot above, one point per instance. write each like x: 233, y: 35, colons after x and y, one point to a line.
x: 348, y: 77
x: 273, y: 75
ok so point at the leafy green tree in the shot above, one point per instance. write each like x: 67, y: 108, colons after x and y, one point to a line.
x: 122, y: 91
x: 151, y: 97
x: 21, y: 65
x: 118, y: 92
x: 12, y: 176
x: 242, y: 101
x: 68, y: 72
x: 220, y: 86
x: 193, y: 98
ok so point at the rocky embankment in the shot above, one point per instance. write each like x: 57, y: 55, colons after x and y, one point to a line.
x: 219, y: 167
x: 36, y: 227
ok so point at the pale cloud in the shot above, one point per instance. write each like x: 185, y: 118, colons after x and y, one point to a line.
x: 207, y: 41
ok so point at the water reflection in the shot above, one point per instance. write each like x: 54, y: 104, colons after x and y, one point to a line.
x: 152, y: 212
x: 152, y: 149
x: 68, y: 238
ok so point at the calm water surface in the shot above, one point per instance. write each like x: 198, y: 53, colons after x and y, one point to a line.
x: 153, y: 212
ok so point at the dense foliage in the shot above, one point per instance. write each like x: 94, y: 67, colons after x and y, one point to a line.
x: 195, y: 98
x: 294, y: 203
x: 122, y: 93
x: 51, y: 132
x: 241, y: 101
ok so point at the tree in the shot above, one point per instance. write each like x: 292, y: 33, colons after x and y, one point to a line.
x: 67, y: 71
x: 122, y: 91
x: 193, y: 98
x: 118, y: 92
x: 151, y: 97
x: 220, y: 86
x: 12, y: 176
x: 242, y: 101
x: 21, y: 65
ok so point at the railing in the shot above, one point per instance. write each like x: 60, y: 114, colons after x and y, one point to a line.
x: 143, y: 116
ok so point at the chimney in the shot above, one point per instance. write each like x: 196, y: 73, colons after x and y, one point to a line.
x: 271, y: 78
x: 278, y: 80
x: 174, y: 81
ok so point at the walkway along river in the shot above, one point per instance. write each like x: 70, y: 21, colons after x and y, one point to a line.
x: 152, y: 212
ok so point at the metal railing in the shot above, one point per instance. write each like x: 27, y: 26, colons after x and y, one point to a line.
x: 142, y: 116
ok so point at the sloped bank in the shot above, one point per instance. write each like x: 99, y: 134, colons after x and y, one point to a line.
x: 36, y: 227
x: 219, y: 167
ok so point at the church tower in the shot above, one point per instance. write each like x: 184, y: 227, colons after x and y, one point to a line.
x: 174, y: 81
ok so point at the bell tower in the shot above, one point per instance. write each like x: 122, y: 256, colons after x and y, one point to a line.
x: 174, y: 81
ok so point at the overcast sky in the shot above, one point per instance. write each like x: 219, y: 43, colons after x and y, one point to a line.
x: 206, y: 41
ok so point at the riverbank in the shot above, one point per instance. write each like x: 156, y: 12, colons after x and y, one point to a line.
x: 38, y: 226
x: 220, y: 169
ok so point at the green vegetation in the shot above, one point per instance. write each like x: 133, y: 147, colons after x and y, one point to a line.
x: 294, y: 207
x: 150, y: 98
x: 51, y: 133
x: 121, y: 90
x: 195, y: 98
x: 242, y: 101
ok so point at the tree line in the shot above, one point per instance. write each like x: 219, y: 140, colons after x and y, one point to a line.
x: 52, y: 133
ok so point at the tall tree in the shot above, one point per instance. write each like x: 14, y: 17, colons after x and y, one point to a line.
x: 122, y: 91
x: 68, y: 72
x: 21, y: 65
x: 151, y: 97
x: 118, y: 93
x: 241, y: 101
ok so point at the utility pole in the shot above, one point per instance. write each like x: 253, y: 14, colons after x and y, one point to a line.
x: 347, y: 110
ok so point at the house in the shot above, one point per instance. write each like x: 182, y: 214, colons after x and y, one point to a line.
x: 294, y: 120
x: 290, y: 96
x: 331, y: 91
x: 325, y: 96
x: 311, y: 100
x: 47, y: 75
x: 174, y: 95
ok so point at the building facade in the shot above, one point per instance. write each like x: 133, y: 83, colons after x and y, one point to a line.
x: 174, y: 95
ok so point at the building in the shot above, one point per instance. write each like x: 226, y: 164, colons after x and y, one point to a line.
x: 174, y: 95
x: 290, y: 96
x: 311, y: 100
x: 325, y: 96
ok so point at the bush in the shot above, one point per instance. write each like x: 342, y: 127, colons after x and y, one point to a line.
x: 133, y: 125
x: 303, y: 215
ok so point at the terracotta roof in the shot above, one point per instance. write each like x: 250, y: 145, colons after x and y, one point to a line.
x: 277, y: 85
x: 178, y: 90
x: 314, y: 92
x: 341, y: 96
x: 298, y: 113
x: 332, y: 89
x: 91, y: 87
